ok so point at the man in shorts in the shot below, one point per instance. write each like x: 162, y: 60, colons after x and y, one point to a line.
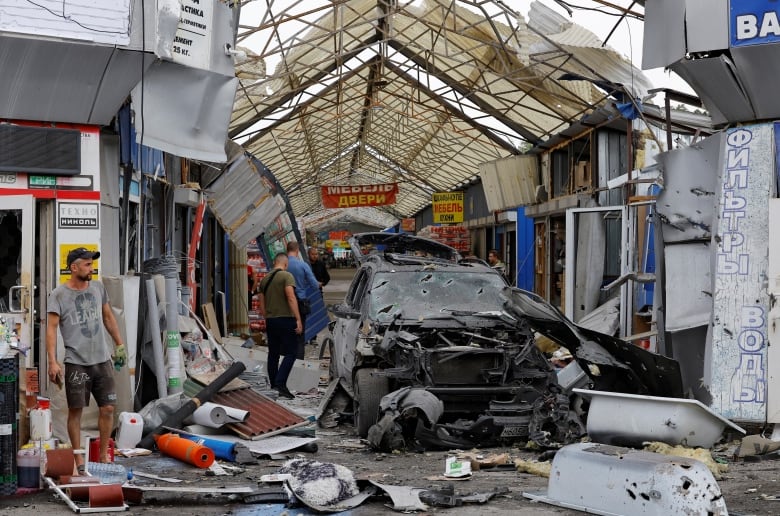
x: 80, y: 309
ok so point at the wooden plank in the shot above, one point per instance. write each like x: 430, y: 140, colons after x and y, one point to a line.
x: 210, y: 317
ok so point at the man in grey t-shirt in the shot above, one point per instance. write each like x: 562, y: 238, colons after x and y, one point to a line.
x: 80, y: 309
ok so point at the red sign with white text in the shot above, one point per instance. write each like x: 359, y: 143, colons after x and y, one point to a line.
x: 353, y: 196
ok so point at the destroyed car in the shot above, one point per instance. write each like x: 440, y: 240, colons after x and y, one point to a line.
x: 421, y: 322
x: 439, y: 351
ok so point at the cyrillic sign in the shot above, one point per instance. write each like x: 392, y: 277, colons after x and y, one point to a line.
x: 447, y: 207
x: 353, y: 196
x: 754, y: 22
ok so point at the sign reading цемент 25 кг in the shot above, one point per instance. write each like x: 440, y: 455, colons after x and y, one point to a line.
x: 754, y: 22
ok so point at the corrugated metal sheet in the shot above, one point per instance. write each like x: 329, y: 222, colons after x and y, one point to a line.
x: 510, y: 182
x: 244, y: 201
x: 265, y: 415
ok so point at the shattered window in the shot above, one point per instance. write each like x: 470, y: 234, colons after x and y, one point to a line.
x: 426, y: 294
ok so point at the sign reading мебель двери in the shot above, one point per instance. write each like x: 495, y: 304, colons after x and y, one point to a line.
x: 356, y: 196
x: 447, y: 207
x: 736, y: 366
x: 754, y: 22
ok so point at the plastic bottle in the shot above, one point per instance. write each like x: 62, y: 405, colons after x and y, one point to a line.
x: 108, y: 473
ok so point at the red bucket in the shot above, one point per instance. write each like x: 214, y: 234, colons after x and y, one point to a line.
x: 94, y: 450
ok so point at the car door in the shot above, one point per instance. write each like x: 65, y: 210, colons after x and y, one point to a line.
x: 349, y: 318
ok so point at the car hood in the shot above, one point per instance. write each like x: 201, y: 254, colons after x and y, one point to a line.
x: 619, y: 365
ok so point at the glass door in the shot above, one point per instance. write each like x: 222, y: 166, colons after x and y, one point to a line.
x: 17, y: 266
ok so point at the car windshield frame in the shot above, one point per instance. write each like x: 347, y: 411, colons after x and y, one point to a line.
x: 424, y: 294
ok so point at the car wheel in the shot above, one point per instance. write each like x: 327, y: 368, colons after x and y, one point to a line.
x: 369, y: 391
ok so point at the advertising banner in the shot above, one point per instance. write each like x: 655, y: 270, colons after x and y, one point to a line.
x: 447, y: 207
x: 736, y: 363
x: 354, y: 196
x: 753, y: 22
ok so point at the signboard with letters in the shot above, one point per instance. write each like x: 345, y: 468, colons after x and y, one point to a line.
x: 447, y: 207
x: 353, y: 196
x: 754, y: 22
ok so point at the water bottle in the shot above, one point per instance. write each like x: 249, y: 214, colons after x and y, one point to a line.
x: 108, y: 473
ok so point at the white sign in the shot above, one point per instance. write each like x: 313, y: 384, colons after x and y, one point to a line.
x: 192, y: 43
x: 736, y: 366
x: 107, y: 21
x: 79, y: 215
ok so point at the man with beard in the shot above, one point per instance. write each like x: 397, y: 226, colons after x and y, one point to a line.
x: 80, y: 309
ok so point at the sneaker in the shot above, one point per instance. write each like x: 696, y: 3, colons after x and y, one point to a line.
x: 284, y: 392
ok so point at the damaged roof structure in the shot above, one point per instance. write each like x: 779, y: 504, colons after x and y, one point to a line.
x: 414, y: 92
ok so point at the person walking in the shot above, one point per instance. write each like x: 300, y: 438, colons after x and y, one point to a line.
x: 318, y: 267
x: 283, y: 323
x: 304, y: 281
x: 80, y: 309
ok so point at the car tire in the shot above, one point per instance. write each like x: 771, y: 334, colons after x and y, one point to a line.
x: 369, y: 391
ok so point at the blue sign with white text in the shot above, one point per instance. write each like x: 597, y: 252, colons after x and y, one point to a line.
x: 754, y: 22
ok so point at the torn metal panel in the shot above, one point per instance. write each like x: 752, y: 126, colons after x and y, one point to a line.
x: 686, y: 205
x: 184, y: 111
x: 773, y: 353
x: 706, y: 25
x: 735, y: 362
x: 759, y: 71
x: 717, y: 82
x: 687, y: 347
x: 688, y: 285
x: 510, y: 182
x: 405, y: 498
x: 666, y: 19
x: 603, y: 479
x: 586, y: 265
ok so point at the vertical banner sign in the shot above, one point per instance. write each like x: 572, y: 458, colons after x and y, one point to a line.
x: 447, y: 207
x: 753, y: 22
x: 737, y: 363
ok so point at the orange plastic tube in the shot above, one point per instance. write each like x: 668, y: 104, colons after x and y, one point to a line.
x: 185, y: 450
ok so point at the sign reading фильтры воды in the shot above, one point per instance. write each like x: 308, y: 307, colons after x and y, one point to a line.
x: 754, y: 22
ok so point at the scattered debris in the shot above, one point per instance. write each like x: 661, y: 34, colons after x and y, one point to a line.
x: 457, y: 468
x: 533, y: 467
x: 404, y: 498
x: 753, y: 445
x: 319, y: 484
x: 702, y: 455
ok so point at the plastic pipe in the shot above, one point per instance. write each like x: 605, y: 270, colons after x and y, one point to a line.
x: 173, y: 337
x: 154, y: 327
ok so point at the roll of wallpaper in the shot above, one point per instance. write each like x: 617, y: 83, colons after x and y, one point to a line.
x: 210, y: 415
